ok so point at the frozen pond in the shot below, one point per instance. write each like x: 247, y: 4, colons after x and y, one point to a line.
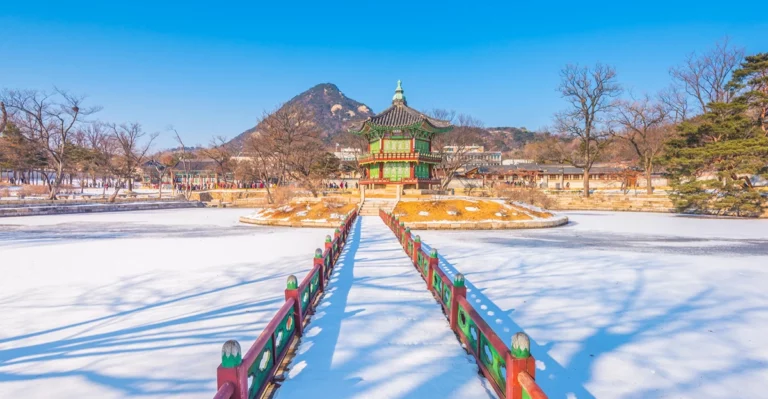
x: 619, y: 305
x: 627, y: 305
x: 136, y: 303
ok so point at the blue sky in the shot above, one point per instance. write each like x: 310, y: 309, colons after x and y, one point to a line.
x: 212, y: 68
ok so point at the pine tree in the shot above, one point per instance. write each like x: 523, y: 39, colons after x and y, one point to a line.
x: 717, y: 154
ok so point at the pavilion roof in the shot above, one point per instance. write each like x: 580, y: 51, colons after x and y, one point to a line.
x: 399, y: 115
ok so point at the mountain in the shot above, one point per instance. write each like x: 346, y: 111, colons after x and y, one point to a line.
x: 507, y: 138
x: 334, y: 112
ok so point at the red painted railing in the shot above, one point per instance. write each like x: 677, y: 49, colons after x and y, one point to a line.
x: 511, y: 372
x: 400, y: 156
x: 249, y: 376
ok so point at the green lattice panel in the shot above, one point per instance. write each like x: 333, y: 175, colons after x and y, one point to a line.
x: 437, y: 284
x: 314, y: 284
x: 423, y: 263
x: 446, y: 295
x: 493, y: 362
x: 468, y: 329
x: 261, y: 370
x: 327, y: 264
x: 410, y: 247
x: 284, y: 331
x: 305, y: 300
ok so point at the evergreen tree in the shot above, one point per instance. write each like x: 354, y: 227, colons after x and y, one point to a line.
x: 715, y: 158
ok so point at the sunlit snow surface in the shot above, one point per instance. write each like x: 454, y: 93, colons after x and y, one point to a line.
x: 136, y: 303
x: 627, y: 305
x: 618, y: 305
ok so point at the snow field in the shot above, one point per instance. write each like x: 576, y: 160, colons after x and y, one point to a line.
x: 137, y: 303
x: 626, y: 305
x: 378, y: 333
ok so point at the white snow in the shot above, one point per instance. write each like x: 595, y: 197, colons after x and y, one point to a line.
x: 627, y: 305
x: 618, y: 305
x: 378, y: 333
x: 125, y: 304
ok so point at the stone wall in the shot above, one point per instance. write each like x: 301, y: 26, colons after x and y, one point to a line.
x: 61, y: 209
x: 611, y: 202
x: 490, y: 225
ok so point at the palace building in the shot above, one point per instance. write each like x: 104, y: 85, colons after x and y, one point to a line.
x: 400, y: 147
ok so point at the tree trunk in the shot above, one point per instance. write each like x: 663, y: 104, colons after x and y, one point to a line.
x: 586, y: 183
x: 113, y: 197
x: 648, y: 179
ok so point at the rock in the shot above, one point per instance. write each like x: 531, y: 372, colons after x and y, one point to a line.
x: 472, y: 209
x: 302, y: 213
x: 423, y: 213
x: 453, y: 213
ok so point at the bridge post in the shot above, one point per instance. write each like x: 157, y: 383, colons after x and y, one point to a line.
x: 458, y: 289
x: 292, y: 292
x: 407, y: 239
x: 229, y: 370
x: 318, y: 261
x: 416, y: 250
x: 433, y: 264
x: 519, y: 359
x: 329, y: 245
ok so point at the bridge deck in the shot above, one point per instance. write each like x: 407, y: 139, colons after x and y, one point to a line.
x: 378, y: 333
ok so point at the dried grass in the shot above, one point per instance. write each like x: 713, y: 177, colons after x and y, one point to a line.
x: 438, y: 210
x: 29, y: 190
x: 531, y: 196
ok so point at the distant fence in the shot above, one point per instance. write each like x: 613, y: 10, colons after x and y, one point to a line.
x: 249, y: 376
x: 511, y: 372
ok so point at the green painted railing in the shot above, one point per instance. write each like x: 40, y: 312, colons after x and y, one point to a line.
x: 510, y: 370
x: 249, y: 376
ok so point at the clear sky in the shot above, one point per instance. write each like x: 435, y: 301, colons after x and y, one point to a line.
x: 211, y: 68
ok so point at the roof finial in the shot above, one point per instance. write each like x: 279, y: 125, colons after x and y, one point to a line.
x: 399, y: 97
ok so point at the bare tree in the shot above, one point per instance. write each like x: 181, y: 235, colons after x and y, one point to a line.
x: 589, y: 93
x: 705, y: 76
x: 676, y: 100
x: 455, y: 146
x: 185, y: 157
x: 358, y: 144
x: 288, y: 145
x: 220, y: 152
x: 48, y: 120
x: 163, y: 163
x: 645, y: 125
x: 3, y: 117
x: 130, y: 153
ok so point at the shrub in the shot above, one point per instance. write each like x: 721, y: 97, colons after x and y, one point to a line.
x: 531, y: 196
x: 29, y: 190
x: 334, y: 202
x: 282, y: 195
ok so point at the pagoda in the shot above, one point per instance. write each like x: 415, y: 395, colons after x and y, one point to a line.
x: 400, y: 147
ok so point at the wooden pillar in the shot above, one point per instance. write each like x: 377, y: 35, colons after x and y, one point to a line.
x: 416, y: 250
x: 231, y: 372
x: 433, y: 264
x: 519, y: 360
x: 292, y: 291
x: 318, y: 261
x: 457, y: 290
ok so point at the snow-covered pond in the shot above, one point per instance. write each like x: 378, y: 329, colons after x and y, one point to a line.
x: 619, y: 305
x: 136, y: 303
x: 627, y: 305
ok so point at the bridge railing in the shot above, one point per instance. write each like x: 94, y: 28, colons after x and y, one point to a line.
x: 510, y: 370
x: 249, y: 376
